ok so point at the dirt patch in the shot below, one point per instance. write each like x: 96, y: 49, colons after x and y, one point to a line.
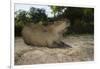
x: 82, y: 50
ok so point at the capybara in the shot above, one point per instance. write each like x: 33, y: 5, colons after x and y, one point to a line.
x: 40, y: 35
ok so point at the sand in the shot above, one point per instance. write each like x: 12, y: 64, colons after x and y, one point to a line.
x: 82, y: 50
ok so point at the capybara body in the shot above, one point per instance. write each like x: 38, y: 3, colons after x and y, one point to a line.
x: 39, y: 35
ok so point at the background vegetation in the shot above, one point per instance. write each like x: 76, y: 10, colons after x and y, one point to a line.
x: 81, y: 19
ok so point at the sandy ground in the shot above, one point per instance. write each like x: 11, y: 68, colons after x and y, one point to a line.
x: 82, y: 50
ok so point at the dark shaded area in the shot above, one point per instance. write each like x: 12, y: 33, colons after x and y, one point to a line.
x: 81, y: 19
x: 61, y: 44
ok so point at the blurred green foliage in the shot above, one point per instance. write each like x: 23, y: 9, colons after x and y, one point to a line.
x: 20, y: 20
x: 81, y: 19
x: 37, y: 15
x: 34, y: 15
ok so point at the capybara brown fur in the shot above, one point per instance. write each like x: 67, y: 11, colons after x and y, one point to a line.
x: 39, y: 35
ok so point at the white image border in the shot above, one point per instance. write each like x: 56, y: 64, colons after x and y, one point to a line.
x: 41, y: 2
